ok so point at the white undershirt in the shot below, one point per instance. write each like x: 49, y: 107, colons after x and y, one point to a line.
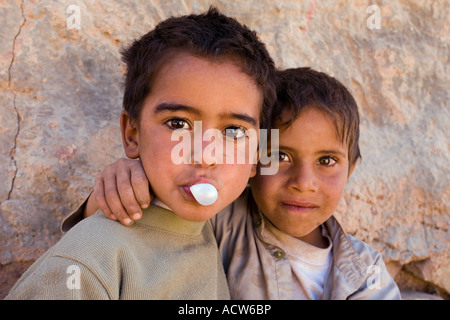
x: 309, y: 264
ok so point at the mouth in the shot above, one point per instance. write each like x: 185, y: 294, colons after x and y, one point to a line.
x: 299, y: 206
x: 188, y: 193
x: 187, y: 187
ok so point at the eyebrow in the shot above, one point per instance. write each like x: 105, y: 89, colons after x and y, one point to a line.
x: 172, y: 107
x: 335, y: 152
x: 332, y: 152
x: 175, y: 107
x: 239, y: 116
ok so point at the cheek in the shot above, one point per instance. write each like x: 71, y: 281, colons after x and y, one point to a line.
x: 333, y: 188
x: 155, y: 152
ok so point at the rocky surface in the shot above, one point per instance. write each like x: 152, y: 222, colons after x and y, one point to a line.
x: 60, y: 96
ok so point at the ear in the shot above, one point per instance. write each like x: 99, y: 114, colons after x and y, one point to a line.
x: 253, y: 170
x: 130, y: 137
x: 350, y: 171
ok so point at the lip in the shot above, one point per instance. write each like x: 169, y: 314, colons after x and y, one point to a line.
x: 186, y: 187
x: 200, y: 180
x: 299, y: 206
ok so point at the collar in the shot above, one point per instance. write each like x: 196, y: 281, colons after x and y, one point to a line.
x: 161, y: 218
x: 349, y: 269
x: 344, y: 252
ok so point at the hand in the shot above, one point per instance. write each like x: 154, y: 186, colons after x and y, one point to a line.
x: 121, y: 191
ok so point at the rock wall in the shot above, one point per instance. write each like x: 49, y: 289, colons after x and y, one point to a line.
x: 61, y: 92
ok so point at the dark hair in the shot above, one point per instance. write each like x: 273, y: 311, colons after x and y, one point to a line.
x: 301, y: 88
x: 210, y: 35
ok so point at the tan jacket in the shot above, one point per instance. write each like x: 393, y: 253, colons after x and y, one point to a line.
x: 257, y: 269
x: 161, y: 256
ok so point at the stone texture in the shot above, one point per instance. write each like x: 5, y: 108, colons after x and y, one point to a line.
x: 61, y: 93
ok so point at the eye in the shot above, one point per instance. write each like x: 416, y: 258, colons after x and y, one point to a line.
x: 280, y: 156
x: 235, y: 132
x: 327, y: 161
x: 177, y: 123
x: 283, y: 157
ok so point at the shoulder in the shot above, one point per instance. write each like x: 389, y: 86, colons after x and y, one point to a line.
x: 98, y: 243
x: 348, y: 246
x: 378, y: 284
x: 365, y: 251
x: 94, y: 232
x: 360, y: 266
x: 84, y: 250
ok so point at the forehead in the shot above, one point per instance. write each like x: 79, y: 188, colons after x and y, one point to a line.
x: 312, y: 127
x: 289, y: 115
x: 206, y: 84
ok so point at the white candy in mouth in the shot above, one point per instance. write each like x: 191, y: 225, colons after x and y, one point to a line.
x: 205, y: 193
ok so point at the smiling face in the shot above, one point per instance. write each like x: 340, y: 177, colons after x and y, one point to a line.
x: 189, y: 89
x: 313, y: 171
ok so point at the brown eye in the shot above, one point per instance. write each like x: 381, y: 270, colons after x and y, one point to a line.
x: 326, y: 161
x: 279, y: 156
x: 178, y: 124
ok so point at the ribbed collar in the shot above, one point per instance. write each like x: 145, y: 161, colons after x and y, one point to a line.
x: 158, y: 217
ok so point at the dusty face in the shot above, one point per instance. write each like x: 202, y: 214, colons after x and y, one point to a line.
x: 187, y: 90
x: 312, y: 175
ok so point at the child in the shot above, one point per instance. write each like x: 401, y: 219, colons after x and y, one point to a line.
x: 285, y: 243
x: 280, y: 241
x: 206, y: 68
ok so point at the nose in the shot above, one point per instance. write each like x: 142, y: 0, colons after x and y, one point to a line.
x: 204, y: 163
x: 303, y: 178
x: 204, y: 151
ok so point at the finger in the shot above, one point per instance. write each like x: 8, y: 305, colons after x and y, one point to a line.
x: 126, y: 194
x: 99, y: 197
x: 113, y: 199
x: 140, y: 185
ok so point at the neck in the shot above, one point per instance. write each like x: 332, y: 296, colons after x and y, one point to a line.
x: 315, y: 238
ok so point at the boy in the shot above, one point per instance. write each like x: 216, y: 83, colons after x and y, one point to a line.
x: 280, y: 241
x: 206, y: 68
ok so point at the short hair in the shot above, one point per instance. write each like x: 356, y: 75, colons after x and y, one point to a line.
x: 209, y: 35
x: 301, y: 88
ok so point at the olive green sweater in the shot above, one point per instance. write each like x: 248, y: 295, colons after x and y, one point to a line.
x: 161, y: 256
